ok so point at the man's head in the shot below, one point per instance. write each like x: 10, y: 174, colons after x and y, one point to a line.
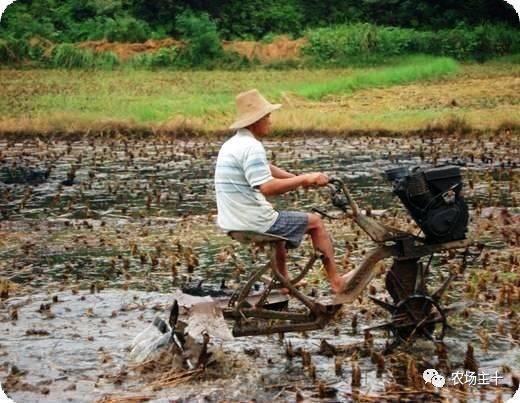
x: 261, y: 127
x: 253, y: 112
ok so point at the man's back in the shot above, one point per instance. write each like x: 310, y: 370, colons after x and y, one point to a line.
x: 241, y: 167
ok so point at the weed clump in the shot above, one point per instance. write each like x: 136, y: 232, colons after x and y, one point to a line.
x: 164, y: 57
x: 69, y: 56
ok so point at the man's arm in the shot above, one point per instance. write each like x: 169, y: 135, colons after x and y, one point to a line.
x: 278, y: 186
x: 280, y: 173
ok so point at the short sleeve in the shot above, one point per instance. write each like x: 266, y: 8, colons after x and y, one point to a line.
x: 256, y: 167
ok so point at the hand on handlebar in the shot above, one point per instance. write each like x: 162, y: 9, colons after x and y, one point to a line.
x: 334, y: 182
x: 316, y: 178
x: 340, y: 195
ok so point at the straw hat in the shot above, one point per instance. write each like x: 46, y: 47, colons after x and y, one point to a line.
x: 251, y: 106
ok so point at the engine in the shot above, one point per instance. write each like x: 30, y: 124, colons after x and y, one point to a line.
x: 434, y: 199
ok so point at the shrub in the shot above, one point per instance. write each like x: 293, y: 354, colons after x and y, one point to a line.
x: 67, y: 55
x: 201, y: 36
x: 249, y: 19
x: 107, y: 60
x: 21, y: 23
x: 6, y: 54
x: 367, y: 43
x: 91, y: 29
x: 232, y: 61
x: 12, y: 50
x: 126, y: 29
x: 164, y: 57
x: 139, y: 61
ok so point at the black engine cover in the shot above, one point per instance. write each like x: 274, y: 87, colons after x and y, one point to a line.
x: 434, y: 199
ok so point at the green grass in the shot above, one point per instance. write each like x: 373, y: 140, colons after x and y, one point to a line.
x: 77, y: 99
x: 143, y: 96
x: 413, y: 69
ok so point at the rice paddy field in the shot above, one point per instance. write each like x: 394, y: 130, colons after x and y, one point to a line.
x: 413, y: 94
x: 107, y: 211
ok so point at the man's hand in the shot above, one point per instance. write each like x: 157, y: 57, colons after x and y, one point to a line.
x: 315, y: 178
x: 278, y: 186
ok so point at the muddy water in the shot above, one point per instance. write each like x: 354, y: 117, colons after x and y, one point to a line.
x: 116, y: 215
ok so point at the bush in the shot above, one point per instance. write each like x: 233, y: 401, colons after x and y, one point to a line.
x: 201, y: 36
x: 36, y: 52
x: 107, y: 60
x: 352, y: 44
x: 91, y: 29
x: 367, y: 43
x: 253, y: 20
x: 13, y: 50
x: 230, y: 60
x: 164, y: 57
x: 126, y: 29
x: 67, y: 55
x: 20, y: 22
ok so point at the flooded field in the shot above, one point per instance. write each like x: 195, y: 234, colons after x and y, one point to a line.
x: 104, y: 230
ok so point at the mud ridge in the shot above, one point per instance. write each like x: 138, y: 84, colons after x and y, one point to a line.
x: 183, y: 133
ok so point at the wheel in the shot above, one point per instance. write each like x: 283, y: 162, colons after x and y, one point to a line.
x: 418, y: 315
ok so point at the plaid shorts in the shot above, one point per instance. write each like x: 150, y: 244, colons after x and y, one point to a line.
x: 291, y: 225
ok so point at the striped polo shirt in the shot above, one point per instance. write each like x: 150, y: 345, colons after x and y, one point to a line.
x: 241, y: 168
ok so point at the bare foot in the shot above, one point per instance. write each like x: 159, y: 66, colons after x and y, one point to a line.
x: 337, y: 285
x: 343, y: 294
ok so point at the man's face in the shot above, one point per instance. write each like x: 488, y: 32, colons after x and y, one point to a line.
x: 263, y: 126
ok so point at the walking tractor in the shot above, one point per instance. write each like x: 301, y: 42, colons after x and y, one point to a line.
x: 433, y: 197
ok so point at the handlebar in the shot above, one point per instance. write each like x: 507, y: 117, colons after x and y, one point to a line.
x: 341, y: 197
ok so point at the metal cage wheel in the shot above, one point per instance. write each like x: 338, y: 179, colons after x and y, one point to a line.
x: 419, y: 315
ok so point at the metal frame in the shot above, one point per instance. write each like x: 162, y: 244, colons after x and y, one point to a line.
x: 259, y: 319
x: 391, y: 243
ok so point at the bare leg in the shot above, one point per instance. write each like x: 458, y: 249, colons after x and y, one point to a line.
x: 322, y: 242
x: 281, y: 257
x: 281, y: 266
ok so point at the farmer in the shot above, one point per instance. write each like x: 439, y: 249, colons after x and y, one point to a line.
x: 244, y: 178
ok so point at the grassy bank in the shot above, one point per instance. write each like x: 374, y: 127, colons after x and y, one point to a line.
x: 413, y: 69
x: 483, y: 95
